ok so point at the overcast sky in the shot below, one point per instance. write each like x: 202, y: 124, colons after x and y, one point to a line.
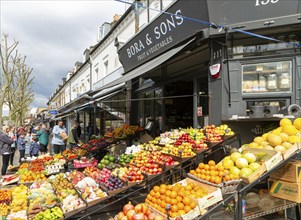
x: 53, y: 35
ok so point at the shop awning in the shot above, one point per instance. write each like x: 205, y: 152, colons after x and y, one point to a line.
x: 147, y: 66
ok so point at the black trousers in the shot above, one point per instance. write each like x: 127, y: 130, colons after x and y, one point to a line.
x: 12, y: 155
x: 22, y: 155
x: 5, y: 162
x: 59, y: 148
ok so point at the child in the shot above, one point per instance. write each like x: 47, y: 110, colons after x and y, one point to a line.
x: 34, y: 147
x: 21, y: 146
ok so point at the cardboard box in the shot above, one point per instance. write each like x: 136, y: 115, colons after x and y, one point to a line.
x: 290, y: 151
x: 213, y: 197
x: 290, y: 172
x: 285, y: 190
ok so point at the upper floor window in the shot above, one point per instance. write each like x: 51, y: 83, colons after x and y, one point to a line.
x: 106, y: 64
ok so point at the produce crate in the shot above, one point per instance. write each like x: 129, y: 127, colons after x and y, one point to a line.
x: 188, y: 216
x: 228, y: 187
x: 6, y: 180
x: 96, y: 201
x: 290, y: 151
x: 290, y: 172
x: 213, y: 197
x: 275, y: 159
x: 75, y: 211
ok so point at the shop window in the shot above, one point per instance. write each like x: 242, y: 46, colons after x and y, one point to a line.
x: 267, y: 77
x: 248, y: 47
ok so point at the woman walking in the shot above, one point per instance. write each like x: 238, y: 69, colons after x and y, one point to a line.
x: 13, y: 135
x: 43, y: 138
x: 5, y: 151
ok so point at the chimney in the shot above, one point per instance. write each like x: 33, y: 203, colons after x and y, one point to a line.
x: 64, y: 80
x: 86, y: 54
x: 77, y: 66
x: 115, y: 19
x: 103, y: 31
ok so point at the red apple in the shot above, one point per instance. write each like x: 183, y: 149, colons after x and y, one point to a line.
x: 138, y: 208
x: 151, y: 216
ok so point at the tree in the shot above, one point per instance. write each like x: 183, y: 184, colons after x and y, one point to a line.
x: 16, y: 82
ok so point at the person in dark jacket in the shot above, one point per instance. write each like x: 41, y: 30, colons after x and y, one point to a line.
x: 5, y: 151
x: 73, y: 139
x: 34, y: 147
x: 21, y: 146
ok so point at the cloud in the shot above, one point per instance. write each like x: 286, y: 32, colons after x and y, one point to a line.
x: 53, y: 35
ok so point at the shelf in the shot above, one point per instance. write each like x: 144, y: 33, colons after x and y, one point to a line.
x: 265, y: 72
x: 282, y: 205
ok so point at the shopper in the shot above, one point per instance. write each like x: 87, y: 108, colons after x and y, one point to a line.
x: 21, y: 146
x: 34, y: 147
x: 13, y: 135
x: 28, y: 139
x: 73, y: 139
x: 5, y: 151
x: 43, y: 138
x: 59, y: 137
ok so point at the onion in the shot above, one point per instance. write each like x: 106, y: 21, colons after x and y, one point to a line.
x: 127, y: 208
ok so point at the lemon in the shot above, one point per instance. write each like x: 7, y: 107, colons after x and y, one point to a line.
x: 258, y: 140
x: 297, y: 123
x: 290, y: 130
x: 277, y: 131
x: 285, y: 121
x: 264, y: 136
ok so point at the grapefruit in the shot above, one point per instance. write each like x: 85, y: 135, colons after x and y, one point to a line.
x: 228, y: 163
x: 250, y: 157
x: 285, y: 121
x: 254, y: 166
x: 234, y: 156
x: 274, y: 140
x: 284, y: 136
x: 245, y: 172
x: 253, y: 145
x: 241, y: 163
x: 297, y: 123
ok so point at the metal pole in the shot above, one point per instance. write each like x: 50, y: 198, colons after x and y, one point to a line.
x: 195, y: 103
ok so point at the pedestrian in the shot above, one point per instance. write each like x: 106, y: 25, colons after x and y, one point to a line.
x: 5, y: 151
x: 43, y: 138
x: 59, y: 137
x: 28, y: 139
x: 73, y: 138
x: 21, y: 146
x: 34, y: 147
x: 13, y: 135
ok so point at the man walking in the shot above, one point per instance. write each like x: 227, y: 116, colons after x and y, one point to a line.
x: 59, y: 137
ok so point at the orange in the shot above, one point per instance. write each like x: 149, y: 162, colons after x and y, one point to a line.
x: 212, y: 168
x: 217, y: 180
x: 211, y: 163
x: 162, y: 191
x: 156, y: 189
x: 174, y: 208
x: 149, y: 197
x: 174, y: 214
x: 180, y: 206
x: 173, y: 194
x: 152, y: 192
x: 207, y: 177
x: 169, y: 187
x: 220, y: 173
x: 187, y: 208
x: 198, y: 170
x: 203, y: 176
x: 179, y: 198
x: 167, y: 200
x: 181, y: 212
x: 207, y: 172
x: 220, y: 168
x: 192, y: 204
x: 181, y: 193
x: 173, y: 201
x: 212, y: 179
x: 163, y: 186
x: 203, y: 171
x: 147, y: 201
x: 163, y: 204
x: 157, y: 195
x: 186, y: 200
x: 168, y: 192
x: 188, y: 187
x: 206, y: 167
x: 154, y: 200
x: 201, y: 165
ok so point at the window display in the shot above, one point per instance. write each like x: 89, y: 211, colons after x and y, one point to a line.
x: 267, y: 77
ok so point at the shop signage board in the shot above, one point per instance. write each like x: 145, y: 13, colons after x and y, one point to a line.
x: 164, y: 33
x: 232, y: 12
